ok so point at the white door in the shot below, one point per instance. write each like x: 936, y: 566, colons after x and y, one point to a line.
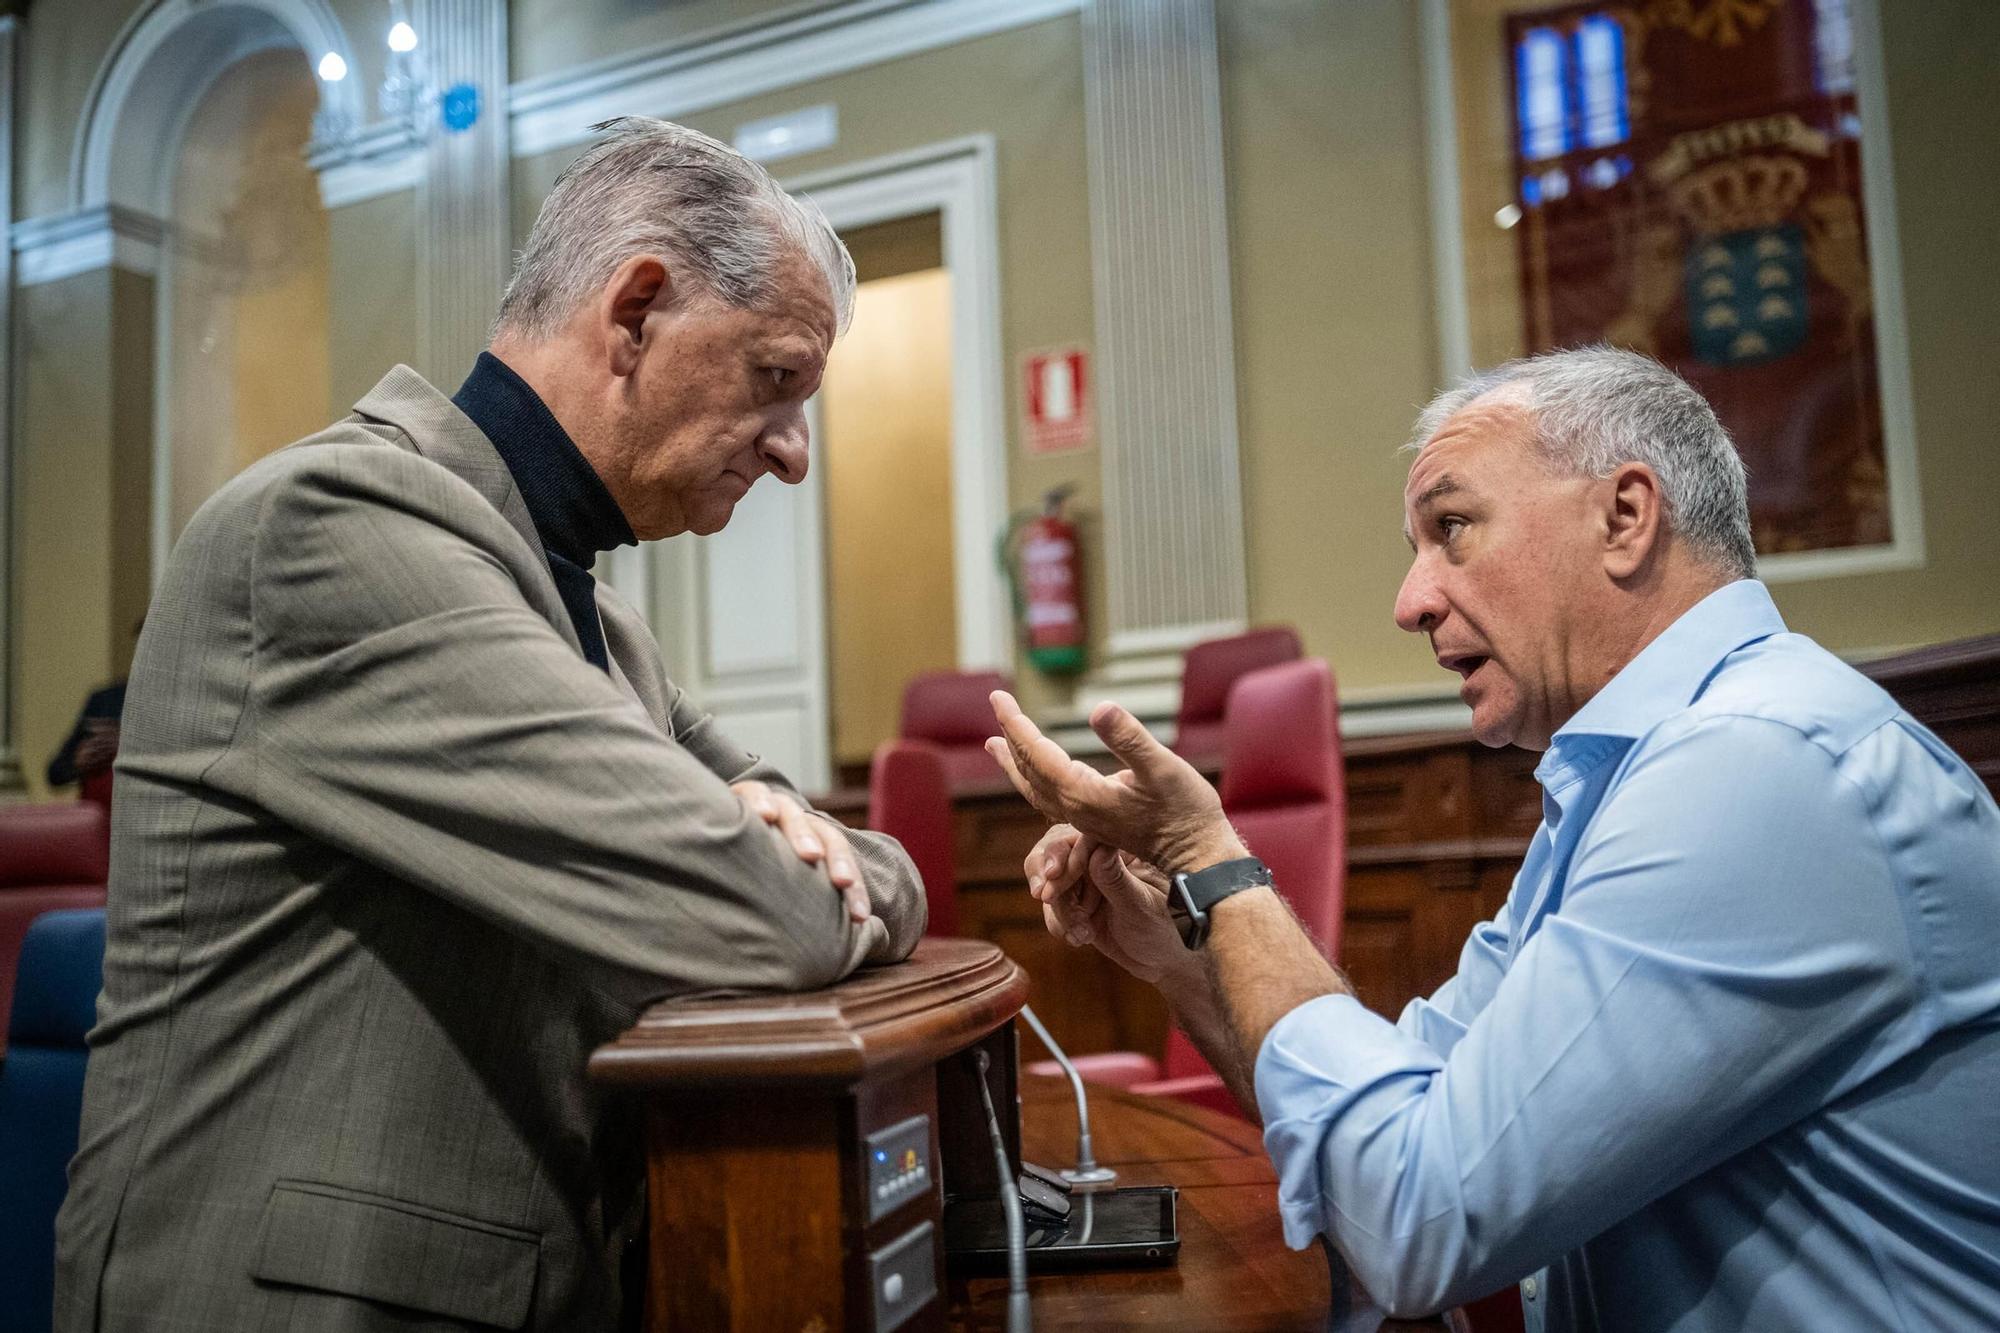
x: 755, y: 617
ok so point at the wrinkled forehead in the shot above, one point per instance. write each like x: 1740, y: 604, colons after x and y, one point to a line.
x: 1490, y: 428
x: 804, y: 296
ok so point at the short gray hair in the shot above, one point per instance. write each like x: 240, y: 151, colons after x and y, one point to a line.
x: 653, y: 187
x: 1597, y: 408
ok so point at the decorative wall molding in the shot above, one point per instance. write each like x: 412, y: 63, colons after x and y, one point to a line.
x: 49, y: 249
x: 557, y: 111
x: 160, y: 64
x: 958, y: 180
x: 382, y: 159
x: 679, y: 78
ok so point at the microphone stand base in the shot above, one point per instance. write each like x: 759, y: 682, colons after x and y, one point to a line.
x: 1096, y: 1178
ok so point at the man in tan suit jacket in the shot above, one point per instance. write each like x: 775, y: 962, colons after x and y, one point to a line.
x: 410, y: 818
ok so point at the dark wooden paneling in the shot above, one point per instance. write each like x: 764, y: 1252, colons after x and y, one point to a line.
x: 1954, y: 689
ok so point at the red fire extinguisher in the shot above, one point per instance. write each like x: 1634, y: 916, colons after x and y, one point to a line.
x: 1039, y: 553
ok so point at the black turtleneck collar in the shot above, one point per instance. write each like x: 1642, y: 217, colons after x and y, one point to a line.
x: 573, y: 512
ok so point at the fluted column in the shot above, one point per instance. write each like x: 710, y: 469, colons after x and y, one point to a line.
x: 1173, y: 506
x: 464, y: 244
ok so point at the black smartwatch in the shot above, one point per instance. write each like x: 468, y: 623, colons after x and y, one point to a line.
x: 1196, y: 895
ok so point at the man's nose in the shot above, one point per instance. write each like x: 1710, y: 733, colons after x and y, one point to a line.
x: 1419, y: 604
x: 783, y: 448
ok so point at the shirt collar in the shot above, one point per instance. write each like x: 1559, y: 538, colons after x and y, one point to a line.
x: 1670, y: 672
x: 573, y: 513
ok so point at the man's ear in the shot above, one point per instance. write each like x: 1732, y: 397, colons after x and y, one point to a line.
x: 640, y: 287
x: 1635, y: 519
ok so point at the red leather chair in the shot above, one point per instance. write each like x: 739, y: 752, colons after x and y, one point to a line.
x: 950, y: 710
x: 1207, y: 673
x: 1283, y: 789
x: 96, y: 787
x: 909, y: 798
x: 52, y: 856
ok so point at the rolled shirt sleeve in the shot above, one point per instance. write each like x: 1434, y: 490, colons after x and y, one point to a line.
x: 1728, y: 954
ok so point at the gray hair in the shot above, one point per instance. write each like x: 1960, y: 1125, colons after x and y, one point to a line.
x: 1597, y: 408
x: 653, y: 187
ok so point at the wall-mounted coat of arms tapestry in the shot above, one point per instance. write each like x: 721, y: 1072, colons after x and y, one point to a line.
x: 1690, y: 186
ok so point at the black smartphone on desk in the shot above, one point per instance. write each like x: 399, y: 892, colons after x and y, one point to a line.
x: 1111, y: 1228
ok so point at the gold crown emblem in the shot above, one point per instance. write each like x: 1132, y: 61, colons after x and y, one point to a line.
x: 1741, y: 194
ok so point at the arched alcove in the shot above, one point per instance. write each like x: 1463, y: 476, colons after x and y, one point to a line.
x: 156, y: 73
x: 196, y: 129
x: 242, y: 287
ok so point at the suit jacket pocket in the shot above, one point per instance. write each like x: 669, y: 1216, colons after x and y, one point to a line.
x: 335, y: 1239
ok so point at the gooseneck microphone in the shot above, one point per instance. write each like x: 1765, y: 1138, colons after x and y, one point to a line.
x: 1086, y: 1174
x: 1019, y: 1320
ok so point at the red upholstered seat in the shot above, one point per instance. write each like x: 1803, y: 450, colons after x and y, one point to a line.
x: 909, y: 798
x: 52, y: 856
x: 1283, y: 789
x: 950, y: 709
x: 1207, y: 672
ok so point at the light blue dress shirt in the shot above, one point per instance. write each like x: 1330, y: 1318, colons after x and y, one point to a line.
x: 1729, y: 1059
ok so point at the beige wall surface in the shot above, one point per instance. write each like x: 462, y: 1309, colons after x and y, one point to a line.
x: 547, y: 36
x: 82, y: 477
x: 1944, y: 121
x: 62, y: 46
x: 1335, y: 339
x: 1025, y: 88
x: 372, y: 325
x: 885, y: 445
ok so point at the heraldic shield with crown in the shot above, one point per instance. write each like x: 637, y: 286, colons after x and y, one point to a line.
x: 1690, y: 186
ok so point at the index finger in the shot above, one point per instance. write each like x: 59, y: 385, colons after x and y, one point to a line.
x: 1042, y: 762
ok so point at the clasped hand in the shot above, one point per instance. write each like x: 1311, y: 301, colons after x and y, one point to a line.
x: 815, y: 841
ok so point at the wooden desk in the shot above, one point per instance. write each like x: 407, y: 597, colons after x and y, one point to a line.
x: 1234, y: 1271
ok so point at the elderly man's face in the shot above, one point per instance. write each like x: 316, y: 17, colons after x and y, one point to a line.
x: 719, y: 400
x: 1507, y: 577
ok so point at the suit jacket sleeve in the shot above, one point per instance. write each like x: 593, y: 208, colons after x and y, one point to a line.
x: 409, y: 707
x: 894, y: 889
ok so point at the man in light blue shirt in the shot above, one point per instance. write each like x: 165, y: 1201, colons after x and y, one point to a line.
x: 1730, y: 1057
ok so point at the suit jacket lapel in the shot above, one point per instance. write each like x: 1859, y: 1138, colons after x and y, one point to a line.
x: 446, y: 436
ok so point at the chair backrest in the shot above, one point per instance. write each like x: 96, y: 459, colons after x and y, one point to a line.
x: 41, y: 1100
x: 1208, y: 671
x: 53, y: 844
x: 52, y: 856
x: 950, y: 710
x: 909, y: 798
x: 1283, y: 787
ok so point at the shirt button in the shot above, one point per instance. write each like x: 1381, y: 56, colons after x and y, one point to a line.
x: 1529, y: 1287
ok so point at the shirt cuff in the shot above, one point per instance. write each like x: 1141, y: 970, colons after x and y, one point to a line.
x: 1316, y: 1063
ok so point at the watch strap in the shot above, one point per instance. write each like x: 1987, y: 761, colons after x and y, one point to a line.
x: 1195, y: 895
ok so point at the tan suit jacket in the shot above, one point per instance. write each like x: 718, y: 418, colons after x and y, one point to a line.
x: 389, y: 858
